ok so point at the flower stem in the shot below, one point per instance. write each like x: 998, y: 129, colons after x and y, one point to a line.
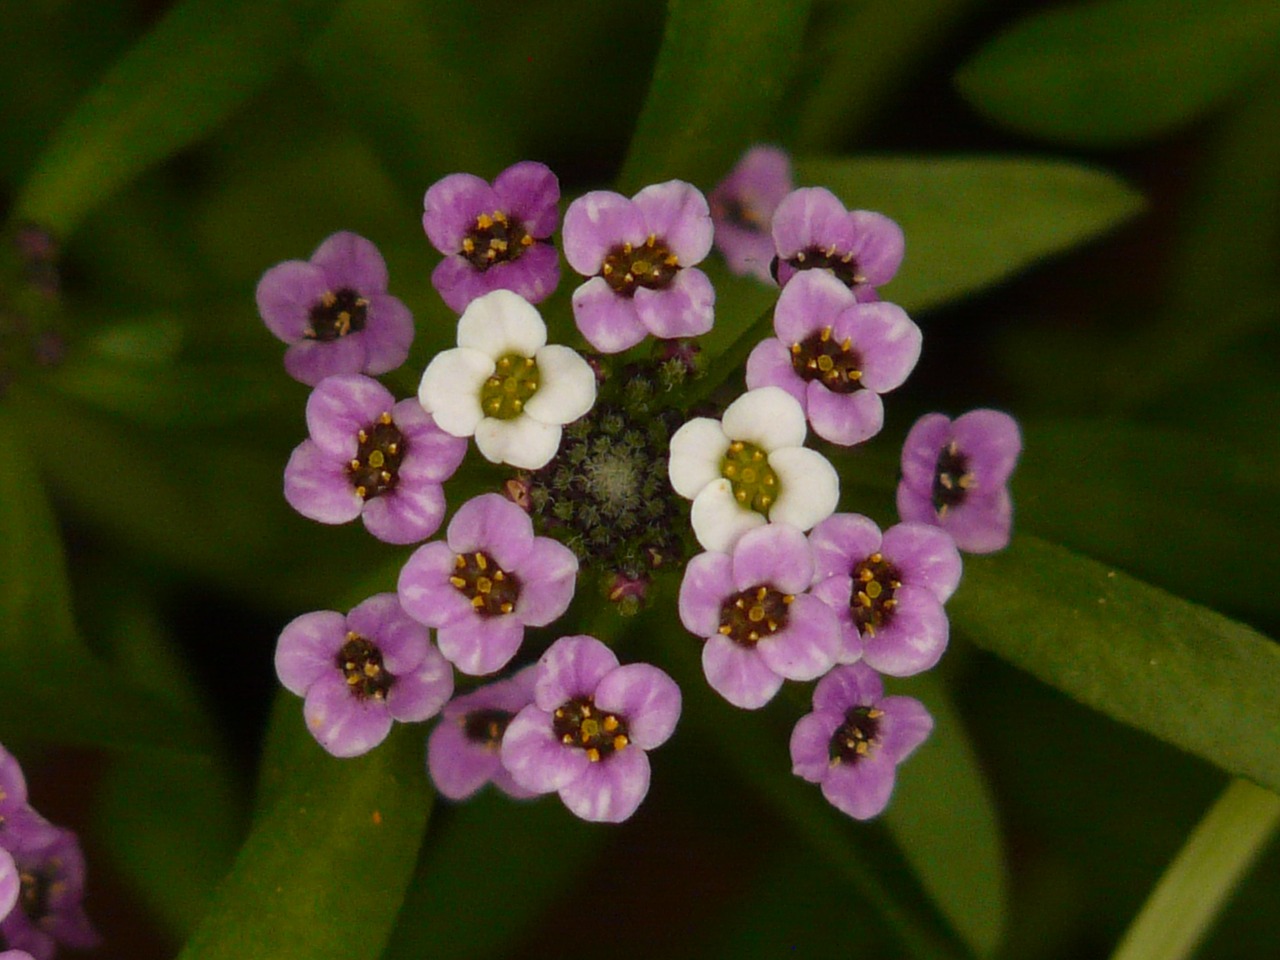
x: 1196, y: 886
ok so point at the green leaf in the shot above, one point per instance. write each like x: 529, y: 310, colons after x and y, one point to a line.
x: 972, y: 221
x: 177, y: 84
x: 721, y: 72
x: 331, y: 852
x: 1120, y: 71
x: 1142, y: 656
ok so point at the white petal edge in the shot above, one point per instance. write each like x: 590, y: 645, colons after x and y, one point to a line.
x: 809, y: 487
x: 769, y: 417
x: 718, y: 519
x: 523, y: 442
x: 697, y: 450
x: 566, y: 386
x: 450, y: 389
x: 501, y: 323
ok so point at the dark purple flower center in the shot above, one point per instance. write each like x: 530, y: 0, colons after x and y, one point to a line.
x: 35, y: 892
x: 874, y: 581
x: 952, y: 479
x: 837, y: 366
x: 578, y: 723
x: 739, y: 213
x: 338, y: 313
x: 495, y: 238
x: 842, y: 265
x: 491, y: 590
x: 855, y: 737
x: 649, y: 265
x: 486, y: 726
x: 361, y: 664
x: 752, y: 615
x: 376, y: 465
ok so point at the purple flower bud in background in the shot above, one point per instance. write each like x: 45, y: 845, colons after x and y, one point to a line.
x: 813, y: 230
x: 742, y: 207
x: 49, y: 911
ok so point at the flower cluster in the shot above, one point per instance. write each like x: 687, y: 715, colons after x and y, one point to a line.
x: 42, y: 874
x: 607, y: 476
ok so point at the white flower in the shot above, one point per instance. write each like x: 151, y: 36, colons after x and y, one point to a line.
x: 750, y: 468
x: 505, y: 385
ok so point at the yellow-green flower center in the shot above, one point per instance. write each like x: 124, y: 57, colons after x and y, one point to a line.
x: 514, y: 381
x: 746, y: 467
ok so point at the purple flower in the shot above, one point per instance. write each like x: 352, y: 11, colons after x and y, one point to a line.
x: 861, y: 249
x: 372, y: 458
x: 486, y: 581
x: 742, y: 208
x: 463, y: 749
x: 335, y: 312
x: 760, y: 623
x: 956, y: 475
x: 494, y: 237
x: 49, y: 913
x: 362, y: 671
x: 855, y: 738
x: 887, y: 591
x: 9, y: 883
x: 586, y: 733
x: 640, y: 255
x: 835, y: 356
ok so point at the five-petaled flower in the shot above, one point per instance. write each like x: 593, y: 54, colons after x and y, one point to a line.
x: 835, y: 356
x: 335, y: 312
x: 505, y: 385
x: 640, y: 255
x: 855, y: 738
x: 956, y: 475
x: 750, y: 468
x: 494, y: 237
x: 742, y: 206
x: 813, y: 230
x: 587, y: 730
x: 760, y: 623
x: 486, y: 581
x: 888, y: 591
x: 360, y: 672
x: 372, y: 458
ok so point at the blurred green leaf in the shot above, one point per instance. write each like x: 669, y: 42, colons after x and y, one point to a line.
x: 331, y: 852
x: 1119, y: 71
x: 180, y: 81
x: 972, y: 221
x: 721, y: 72
x: 1142, y: 656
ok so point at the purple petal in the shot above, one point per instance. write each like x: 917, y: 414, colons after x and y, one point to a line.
x: 492, y: 524
x: 678, y: 214
x: 424, y: 588
x: 860, y: 789
x: 738, y: 673
x: 776, y: 555
x: 410, y: 513
x: 597, y: 222
x: 992, y: 442
x: 812, y: 302
x: 608, y: 321
x: 419, y: 694
x: 13, y: 785
x: 810, y: 217
x: 458, y: 282
x: 286, y: 293
x: 342, y: 724
x: 851, y: 685
x: 925, y: 557
x: 769, y: 365
x: 547, y: 575
x: 886, y: 339
x: 841, y: 542
x: 877, y: 246
x: 535, y: 757
x: 319, y: 487
x: 450, y: 208
x: 686, y: 308
x: 512, y: 695
x: 402, y: 641
x: 349, y: 260
x: 920, y: 451
x: 611, y: 790
x: 806, y: 648
x: 429, y: 453
x: 9, y: 883
x: 747, y: 252
x: 571, y: 669
x: 982, y: 524
x: 535, y: 275
x: 458, y: 766
x: 646, y: 697
x: 916, y: 507
x: 914, y: 638
x: 811, y: 745
x: 835, y: 592
x: 479, y: 645
x: 844, y: 418
x: 905, y: 725
x: 388, y: 334
x: 708, y: 580
x: 529, y: 191
x: 310, y: 361
x: 340, y: 407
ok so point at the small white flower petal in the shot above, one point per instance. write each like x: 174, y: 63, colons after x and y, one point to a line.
x: 566, y: 386
x: 697, y: 450
x: 808, y: 487
x: 718, y: 519
x: 501, y: 323
x: 450, y: 389
x: 522, y: 442
x: 769, y: 417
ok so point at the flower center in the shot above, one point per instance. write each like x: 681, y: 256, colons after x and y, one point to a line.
x: 496, y: 238
x: 360, y: 661
x: 835, y: 365
x: 491, y: 590
x: 649, y: 265
x: 486, y: 727
x: 952, y: 479
x: 514, y: 381
x: 741, y: 214
x: 874, y: 581
x: 36, y: 888
x: 841, y: 265
x: 755, y: 485
x: 752, y: 615
x: 855, y: 737
x: 376, y: 466
x: 338, y: 313
x: 578, y: 723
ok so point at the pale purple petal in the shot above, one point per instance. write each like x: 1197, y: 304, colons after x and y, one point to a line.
x: 920, y: 450
x: 349, y: 260
x: 459, y: 767
x: 678, y: 214
x: 570, y: 669
x: 512, y: 695
x: 450, y: 208
x: 708, y: 580
x: 992, y: 442
x: 806, y: 647
x: 611, y: 790
x: 534, y: 275
x: 458, y: 282
x: 402, y: 641
x: 492, y: 524
x: 286, y: 293
x: 529, y: 191
x: 917, y: 507
x: 914, y: 638
x: 810, y: 217
x: 9, y: 883
x: 342, y: 724
x: 310, y: 361
x: 905, y: 725
x: 13, y: 785
x: 925, y: 557
x: 480, y: 645
x: 409, y: 513
x: 747, y: 252
x: 811, y: 744
x: 776, y: 555
x: 548, y: 575
x: 685, y: 308
x: 836, y: 592
x: 844, y: 418
x: 983, y: 523
x: 842, y: 541
x: 388, y: 334
x: 769, y: 365
x: 535, y: 757
x: 886, y: 339
x: 419, y: 694
x: 340, y: 407
x: 646, y: 698
x: 861, y: 789
x: 307, y: 647
x: 853, y: 685
x: 597, y: 222
x: 877, y: 246
x: 813, y: 301
x: 609, y: 322
x: 738, y: 673
x: 319, y: 487
x: 430, y: 454
x: 424, y: 588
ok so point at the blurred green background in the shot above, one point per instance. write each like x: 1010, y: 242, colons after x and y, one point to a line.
x: 1091, y: 199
